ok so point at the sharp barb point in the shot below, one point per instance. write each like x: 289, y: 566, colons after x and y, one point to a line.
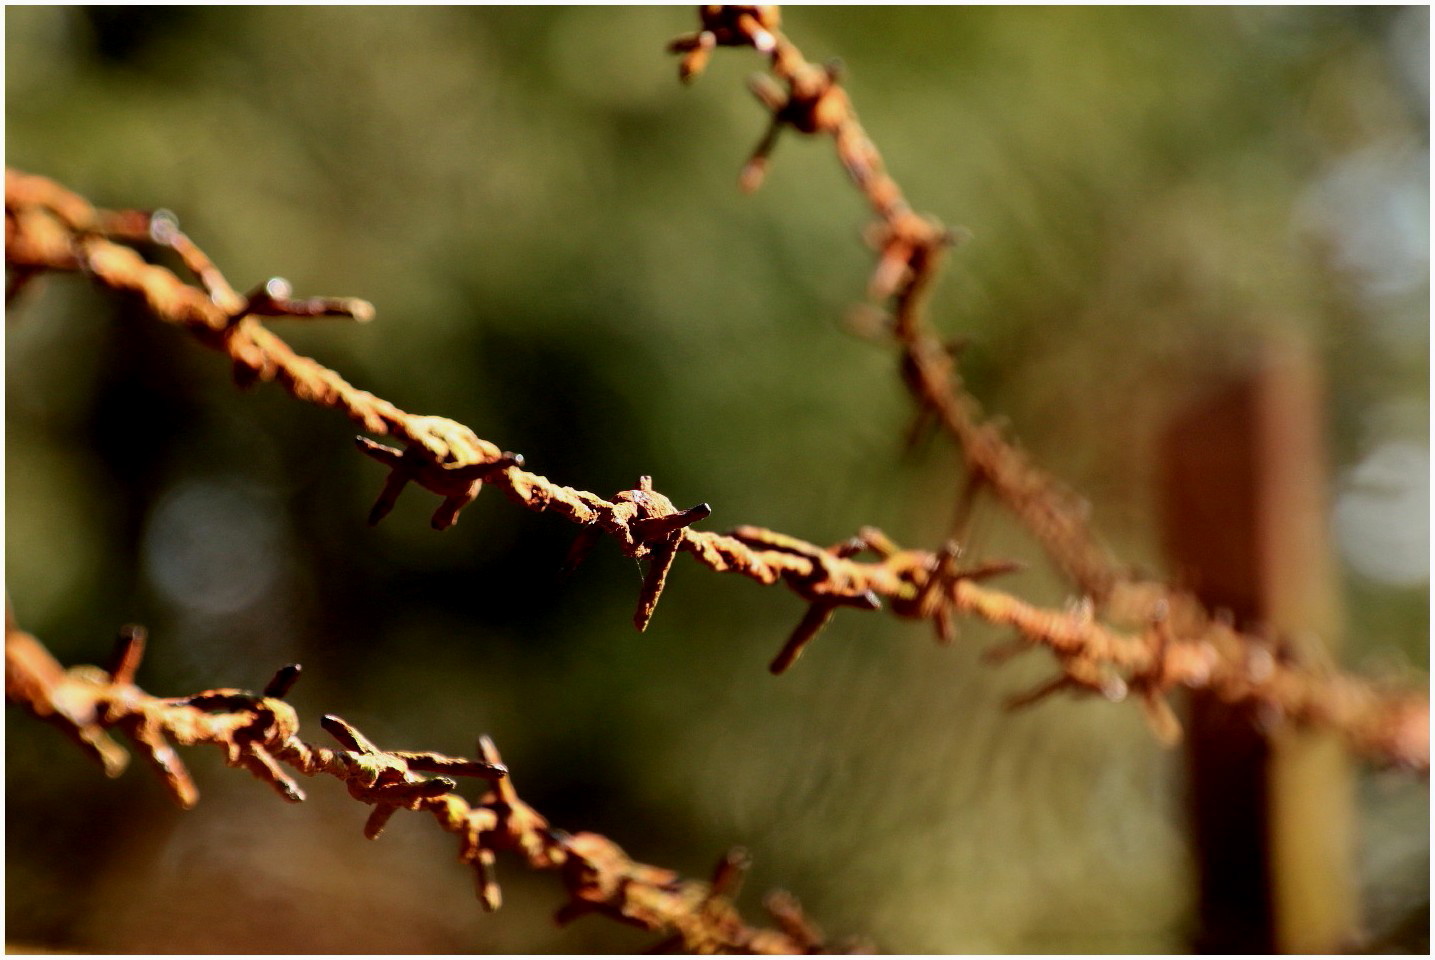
x: 283, y: 681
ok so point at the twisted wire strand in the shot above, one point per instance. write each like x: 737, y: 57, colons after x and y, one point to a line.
x: 259, y: 732
x: 1388, y: 724
x: 50, y: 228
x: 1176, y: 644
x: 911, y: 250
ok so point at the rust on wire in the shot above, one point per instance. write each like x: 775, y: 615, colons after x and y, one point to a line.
x: 910, y: 247
x: 259, y: 732
x: 727, y: 26
x: 1391, y: 726
x: 50, y: 228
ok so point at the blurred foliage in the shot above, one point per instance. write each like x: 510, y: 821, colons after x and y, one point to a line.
x: 549, y: 226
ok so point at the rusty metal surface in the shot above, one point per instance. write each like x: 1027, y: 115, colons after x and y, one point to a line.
x: 1123, y: 637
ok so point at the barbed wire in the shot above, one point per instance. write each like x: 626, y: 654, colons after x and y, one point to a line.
x: 49, y: 228
x: 1174, y: 643
x: 259, y: 732
x: 910, y: 251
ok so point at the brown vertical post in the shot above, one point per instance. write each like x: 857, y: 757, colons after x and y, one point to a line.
x: 1247, y: 529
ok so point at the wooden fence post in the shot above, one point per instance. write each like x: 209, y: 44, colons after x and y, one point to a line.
x: 1247, y: 528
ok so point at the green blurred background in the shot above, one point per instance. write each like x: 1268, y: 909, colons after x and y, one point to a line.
x: 550, y: 228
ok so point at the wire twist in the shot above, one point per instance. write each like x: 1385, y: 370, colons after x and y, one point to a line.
x: 259, y: 732
x: 49, y: 228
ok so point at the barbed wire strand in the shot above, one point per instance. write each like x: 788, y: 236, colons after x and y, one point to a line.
x: 51, y: 228
x: 259, y: 732
x: 910, y: 250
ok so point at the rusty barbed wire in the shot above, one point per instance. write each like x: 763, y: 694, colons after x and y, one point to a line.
x: 51, y: 228
x: 910, y: 248
x: 910, y: 251
x: 259, y: 732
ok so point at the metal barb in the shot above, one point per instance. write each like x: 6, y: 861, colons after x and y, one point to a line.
x: 283, y: 681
